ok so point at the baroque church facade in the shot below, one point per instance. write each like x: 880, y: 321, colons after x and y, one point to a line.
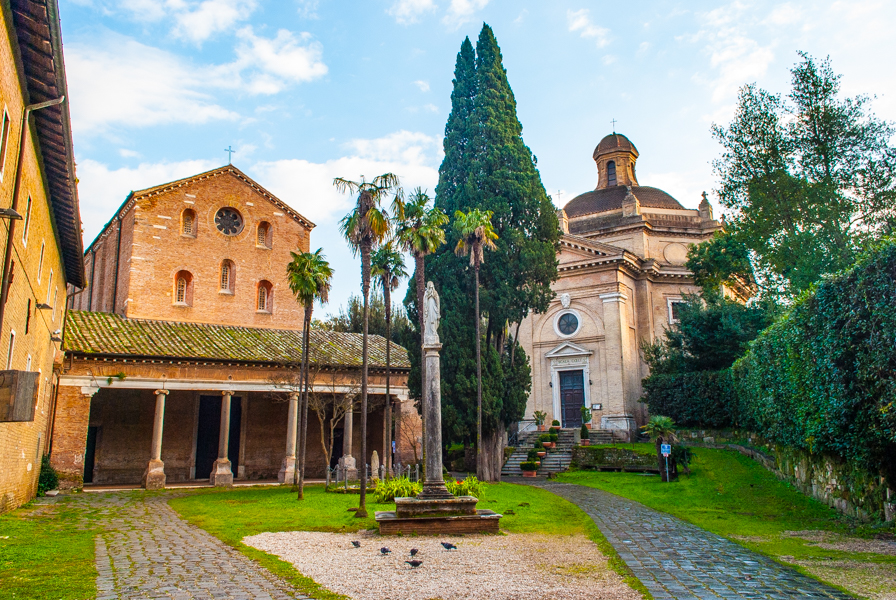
x: 182, y: 350
x: 622, y: 273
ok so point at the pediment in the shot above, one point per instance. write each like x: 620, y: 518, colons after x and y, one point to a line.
x: 568, y: 350
x: 574, y: 249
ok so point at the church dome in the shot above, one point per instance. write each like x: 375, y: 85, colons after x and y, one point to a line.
x: 615, y: 142
x: 607, y: 199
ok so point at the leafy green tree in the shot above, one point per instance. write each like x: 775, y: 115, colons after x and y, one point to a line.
x: 662, y: 431
x: 365, y: 228
x: 720, y: 261
x: 387, y: 266
x: 488, y: 167
x: 350, y: 318
x: 712, y: 332
x: 809, y: 178
x: 476, y: 236
x: 309, y: 276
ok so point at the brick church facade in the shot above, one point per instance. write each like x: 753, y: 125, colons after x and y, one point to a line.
x: 182, y: 349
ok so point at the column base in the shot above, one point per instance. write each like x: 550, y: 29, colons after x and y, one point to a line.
x: 436, y: 490
x: 221, y: 475
x: 154, y: 476
x: 287, y: 470
x: 348, y: 468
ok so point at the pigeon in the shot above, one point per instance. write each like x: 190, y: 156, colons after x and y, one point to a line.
x: 356, y: 544
x: 414, y: 552
x: 449, y: 546
x: 384, y: 551
x: 414, y: 563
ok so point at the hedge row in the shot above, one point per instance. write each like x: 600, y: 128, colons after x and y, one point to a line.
x: 822, y: 379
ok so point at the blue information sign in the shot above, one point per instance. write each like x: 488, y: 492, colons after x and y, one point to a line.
x: 666, y: 449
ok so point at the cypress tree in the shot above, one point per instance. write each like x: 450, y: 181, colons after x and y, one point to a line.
x: 488, y: 166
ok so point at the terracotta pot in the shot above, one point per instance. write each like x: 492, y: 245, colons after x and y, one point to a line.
x: 585, y: 442
x: 530, y: 473
x: 588, y: 425
x: 548, y: 444
x: 542, y: 454
x: 542, y: 427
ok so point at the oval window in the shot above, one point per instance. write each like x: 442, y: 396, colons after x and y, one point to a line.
x: 568, y: 324
x: 229, y: 221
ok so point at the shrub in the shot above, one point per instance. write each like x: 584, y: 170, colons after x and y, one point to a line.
x: 539, y: 446
x: 554, y: 437
x: 399, y: 487
x: 584, y: 432
x: 823, y: 379
x: 555, y: 423
x: 554, y: 430
x: 48, y: 479
x: 586, y: 414
x: 532, y: 455
x: 544, y: 437
x: 540, y: 416
x: 528, y: 466
x: 466, y: 487
x: 701, y: 399
x: 682, y: 456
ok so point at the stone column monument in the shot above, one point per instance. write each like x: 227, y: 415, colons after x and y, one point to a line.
x: 435, y: 510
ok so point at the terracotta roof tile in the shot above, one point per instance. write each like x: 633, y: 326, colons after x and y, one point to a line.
x: 113, y: 335
x: 611, y: 199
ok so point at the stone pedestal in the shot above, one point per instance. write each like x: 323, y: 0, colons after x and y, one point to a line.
x: 287, y: 471
x: 154, y: 476
x: 433, y: 484
x: 348, y: 468
x: 221, y: 476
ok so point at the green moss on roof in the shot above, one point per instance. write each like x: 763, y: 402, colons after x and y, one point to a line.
x: 96, y: 333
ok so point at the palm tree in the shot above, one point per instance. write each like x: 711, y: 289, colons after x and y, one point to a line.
x: 419, y: 230
x: 365, y: 228
x: 387, y: 265
x: 476, y: 236
x: 662, y: 430
x: 309, y: 275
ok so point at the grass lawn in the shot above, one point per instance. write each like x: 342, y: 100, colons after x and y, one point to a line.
x: 46, y: 552
x: 232, y: 515
x: 735, y: 497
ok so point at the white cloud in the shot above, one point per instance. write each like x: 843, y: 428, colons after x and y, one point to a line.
x: 580, y: 20
x: 121, y: 81
x: 128, y: 153
x: 406, y: 12
x: 643, y: 49
x: 521, y: 17
x: 785, y: 14
x: 101, y: 190
x: 423, y: 85
x: 609, y: 59
x: 308, y: 9
x: 431, y: 108
x: 118, y: 81
x: 209, y: 17
x: 462, y: 11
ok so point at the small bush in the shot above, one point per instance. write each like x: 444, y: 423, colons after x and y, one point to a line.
x: 48, y: 479
x: 539, y: 446
x: 682, y: 456
x: 586, y: 414
x: 554, y: 437
x: 584, y: 432
x: 528, y: 466
x: 466, y: 487
x: 555, y: 423
x: 544, y: 437
x: 532, y: 455
x: 399, y: 487
x: 554, y: 430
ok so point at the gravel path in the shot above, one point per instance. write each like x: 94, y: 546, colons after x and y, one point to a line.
x: 484, y: 567
x: 677, y: 560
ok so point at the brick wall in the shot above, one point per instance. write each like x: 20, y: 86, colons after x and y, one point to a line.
x: 22, y: 444
x: 70, y: 435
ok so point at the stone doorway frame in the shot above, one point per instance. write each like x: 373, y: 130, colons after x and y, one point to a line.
x: 568, y: 357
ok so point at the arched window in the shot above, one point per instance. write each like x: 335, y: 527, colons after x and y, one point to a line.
x: 183, y: 288
x: 263, y: 235
x: 264, y: 300
x: 611, y: 173
x: 188, y: 223
x: 227, y: 277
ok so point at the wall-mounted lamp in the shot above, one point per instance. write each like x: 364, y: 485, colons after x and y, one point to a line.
x: 550, y: 384
x: 43, y: 306
x: 8, y: 213
x: 590, y: 382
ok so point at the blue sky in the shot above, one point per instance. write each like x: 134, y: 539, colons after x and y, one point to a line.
x: 308, y: 90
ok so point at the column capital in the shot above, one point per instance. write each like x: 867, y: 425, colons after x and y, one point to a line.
x: 89, y: 390
x: 294, y: 395
x: 161, y: 392
x: 227, y: 392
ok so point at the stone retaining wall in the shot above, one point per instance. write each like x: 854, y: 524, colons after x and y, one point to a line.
x: 851, y: 491
x: 591, y: 457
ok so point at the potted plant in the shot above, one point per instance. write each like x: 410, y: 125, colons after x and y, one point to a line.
x: 585, y: 441
x: 532, y: 456
x: 529, y: 469
x: 539, y: 449
x: 540, y: 416
x: 545, y: 439
x: 555, y: 423
x: 586, y: 417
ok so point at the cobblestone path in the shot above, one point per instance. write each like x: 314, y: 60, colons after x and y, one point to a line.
x: 677, y: 560
x: 147, y: 551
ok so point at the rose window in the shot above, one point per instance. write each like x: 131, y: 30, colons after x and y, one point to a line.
x: 229, y: 221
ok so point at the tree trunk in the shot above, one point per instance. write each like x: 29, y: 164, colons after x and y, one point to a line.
x: 303, y: 403
x: 420, y: 279
x: 479, y: 466
x: 387, y: 410
x: 365, y: 288
x: 492, y: 454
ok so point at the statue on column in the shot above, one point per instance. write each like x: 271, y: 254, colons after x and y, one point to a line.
x: 431, y: 314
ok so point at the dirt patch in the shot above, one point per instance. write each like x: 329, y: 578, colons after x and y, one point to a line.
x: 867, y: 579
x: 834, y: 541
x: 485, y: 567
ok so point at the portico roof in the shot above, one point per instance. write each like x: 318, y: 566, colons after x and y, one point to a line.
x: 111, y: 335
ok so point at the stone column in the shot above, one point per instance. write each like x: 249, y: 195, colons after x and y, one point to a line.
x: 154, y: 476
x: 347, y: 463
x: 433, y: 484
x: 288, y: 469
x: 222, y: 475
x: 70, y: 422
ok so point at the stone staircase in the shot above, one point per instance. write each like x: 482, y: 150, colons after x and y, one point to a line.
x: 557, y: 459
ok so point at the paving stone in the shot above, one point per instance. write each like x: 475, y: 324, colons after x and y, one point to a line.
x: 674, y: 559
